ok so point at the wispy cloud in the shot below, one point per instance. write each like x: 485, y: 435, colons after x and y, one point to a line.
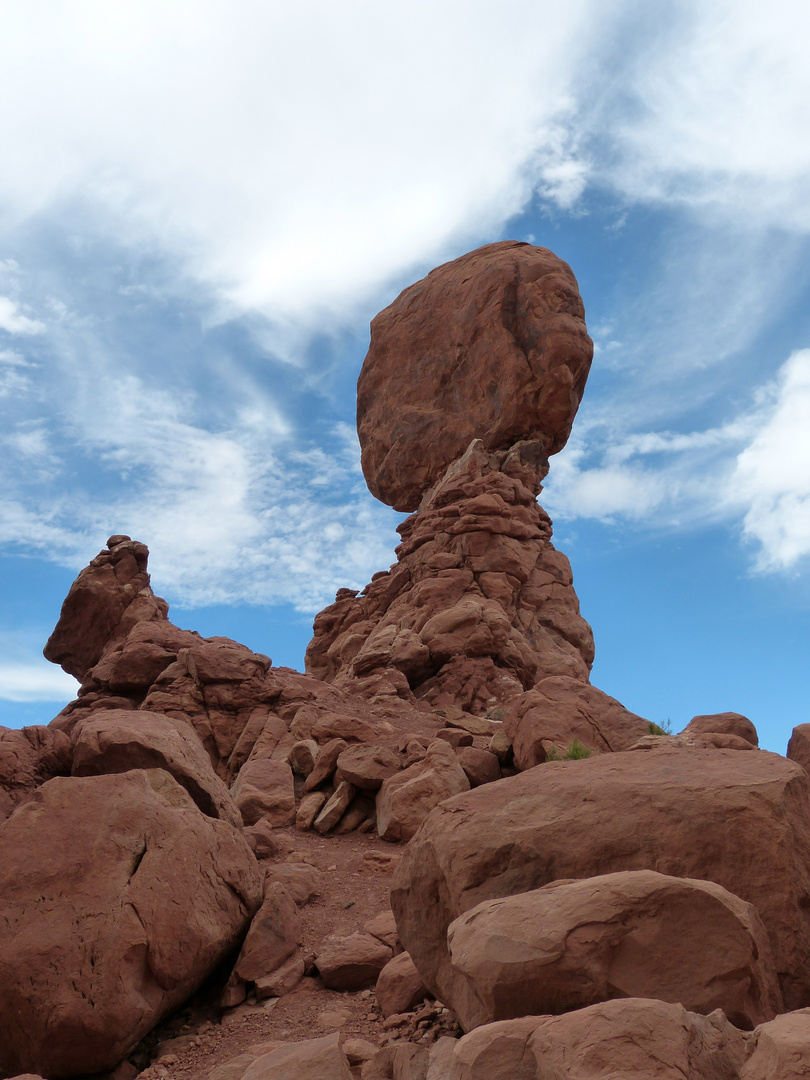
x: 35, y: 681
x: 773, y: 472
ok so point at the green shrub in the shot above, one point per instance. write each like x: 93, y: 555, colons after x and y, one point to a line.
x: 660, y: 729
x: 575, y: 751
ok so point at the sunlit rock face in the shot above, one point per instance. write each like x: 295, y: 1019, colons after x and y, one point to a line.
x: 491, y: 346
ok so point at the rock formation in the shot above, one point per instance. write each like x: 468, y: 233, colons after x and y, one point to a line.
x: 196, y: 855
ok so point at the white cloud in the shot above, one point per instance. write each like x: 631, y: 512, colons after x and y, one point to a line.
x: 13, y: 321
x: 294, y: 155
x: 35, y: 682
x: 773, y: 472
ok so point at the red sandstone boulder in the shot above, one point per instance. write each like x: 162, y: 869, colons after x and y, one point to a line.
x: 118, y: 740
x: 480, y: 766
x: 399, y: 987
x: 726, y: 723
x: 406, y: 798
x: 315, y: 1059
x: 118, y: 897
x: 798, y: 747
x: 682, y: 812
x: 351, y: 962
x: 264, y: 790
x: 781, y: 1049
x: 631, y: 934
x: 367, y: 766
x: 490, y: 346
x: 272, y: 937
x: 105, y: 601
x: 28, y: 757
x: 629, y: 1039
x: 560, y: 709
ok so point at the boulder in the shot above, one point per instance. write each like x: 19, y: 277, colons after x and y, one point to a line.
x: 399, y: 988
x: 480, y: 766
x: 492, y: 346
x: 334, y: 808
x: 560, y: 709
x: 325, y: 763
x: 781, y: 1049
x: 283, y: 979
x: 725, y: 723
x: 117, y: 740
x: 367, y: 766
x: 682, y: 812
x: 301, y: 880
x: 264, y: 790
x: 28, y: 757
x: 798, y: 747
x: 628, y: 1039
x: 406, y: 799
x: 352, y: 962
x: 119, y: 898
x: 314, y: 1059
x: 630, y: 934
x: 107, y: 598
x: 272, y: 937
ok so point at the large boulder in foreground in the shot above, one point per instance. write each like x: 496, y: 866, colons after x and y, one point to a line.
x: 631, y: 934
x: 629, y: 1039
x: 117, y: 898
x: 492, y: 346
x: 741, y: 820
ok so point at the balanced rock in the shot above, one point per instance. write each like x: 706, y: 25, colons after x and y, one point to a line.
x: 490, y: 346
x: 118, y: 897
x: 628, y: 1039
x: 683, y: 812
x: 631, y: 934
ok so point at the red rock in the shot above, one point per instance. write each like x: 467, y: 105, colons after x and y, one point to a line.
x: 302, y: 756
x: 399, y: 987
x: 781, y: 1049
x: 635, y: 934
x: 104, y: 602
x: 353, y: 962
x: 727, y: 723
x: 406, y: 799
x: 480, y: 766
x: 560, y: 709
x: 334, y: 808
x: 798, y: 747
x: 325, y: 763
x: 264, y: 790
x: 284, y: 979
x: 309, y: 808
x: 315, y: 1059
x: 272, y: 937
x: 480, y: 590
x: 682, y: 812
x: 28, y: 757
x: 455, y: 737
x: 263, y: 839
x: 399, y: 1061
x: 384, y: 927
x: 367, y: 766
x: 629, y: 1039
x: 111, y: 741
x: 301, y: 880
x: 119, y: 898
x: 490, y: 346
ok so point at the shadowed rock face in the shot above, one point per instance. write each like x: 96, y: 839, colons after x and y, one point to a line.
x: 492, y: 346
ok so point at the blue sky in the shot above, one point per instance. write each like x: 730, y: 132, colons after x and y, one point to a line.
x: 201, y: 207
